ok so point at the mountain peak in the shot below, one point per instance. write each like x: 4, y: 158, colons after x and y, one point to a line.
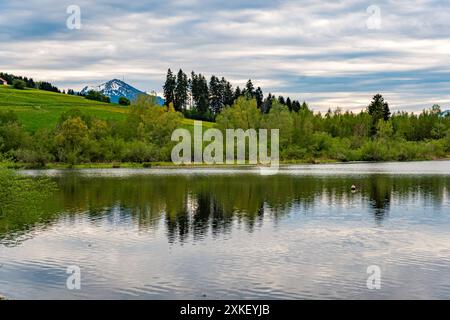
x: 115, y: 89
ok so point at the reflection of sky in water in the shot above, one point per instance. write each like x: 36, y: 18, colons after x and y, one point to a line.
x: 357, y: 168
x: 314, y: 244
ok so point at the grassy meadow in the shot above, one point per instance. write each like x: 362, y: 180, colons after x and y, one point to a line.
x: 38, y: 109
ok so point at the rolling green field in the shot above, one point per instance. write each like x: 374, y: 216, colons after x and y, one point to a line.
x: 41, y: 109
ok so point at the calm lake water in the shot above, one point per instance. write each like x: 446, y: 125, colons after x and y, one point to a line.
x: 233, y: 234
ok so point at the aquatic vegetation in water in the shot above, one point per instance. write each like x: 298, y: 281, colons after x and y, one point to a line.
x: 22, y: 200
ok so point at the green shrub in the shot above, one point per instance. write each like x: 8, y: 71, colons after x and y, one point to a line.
x: 124, y: 101
x: 293, y: 152
x: 447, y: 142
x: 91, y: 151
x: 340, y: 149
x: 320, y: 143
x: 113, y: 149
x: 13, y: 137
x: 139, y: 151
x: 34, y: 159
x: 19, y: 84
x: 375, y: 150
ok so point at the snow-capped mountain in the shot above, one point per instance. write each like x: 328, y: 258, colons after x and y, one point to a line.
x: 445, y: 113
x: 114, y: 89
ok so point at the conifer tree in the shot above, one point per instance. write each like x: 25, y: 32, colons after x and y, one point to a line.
x: 215, y: 95
x: 378, y: 109
x: 181, y: 92
x: 169, y: 87
x: 249, y: 90
x: 267, y: 104
x: 228, y: 96
x: 259, y: 96
x: 289, y: 103
x: 237, y: 93
x: 200, y: 93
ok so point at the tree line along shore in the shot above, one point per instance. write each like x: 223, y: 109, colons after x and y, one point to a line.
x: 52, y: 129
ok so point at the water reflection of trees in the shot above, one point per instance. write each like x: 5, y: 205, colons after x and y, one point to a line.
x: 198, y: 206
x: 379, y: 193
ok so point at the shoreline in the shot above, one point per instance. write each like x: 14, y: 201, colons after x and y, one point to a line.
x: 170, y: 165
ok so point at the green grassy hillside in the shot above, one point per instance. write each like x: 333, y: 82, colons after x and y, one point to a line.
x: 42, y: 109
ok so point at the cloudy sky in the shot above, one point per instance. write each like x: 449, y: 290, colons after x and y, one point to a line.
x: 329, y: 53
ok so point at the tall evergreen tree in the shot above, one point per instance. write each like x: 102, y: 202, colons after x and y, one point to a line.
x: 228, y: 96
x: 259, y: 96
x: 296, y: 106
x: 215, y: 95
x: 378, y: 109
x: 204, y: 95
x: 181, y: 91
x: 386, y: 112
x: 194, y: 88
x: 289, y: 103
x: 237, y: 93
x: 169, y: 87
x: 267, y: 104
x: 200, y: 93
x: 249, y: 90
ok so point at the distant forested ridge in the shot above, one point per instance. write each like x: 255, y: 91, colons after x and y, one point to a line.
x: 29, y: 82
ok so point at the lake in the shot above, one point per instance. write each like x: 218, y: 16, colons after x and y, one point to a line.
x: 234, y: 234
